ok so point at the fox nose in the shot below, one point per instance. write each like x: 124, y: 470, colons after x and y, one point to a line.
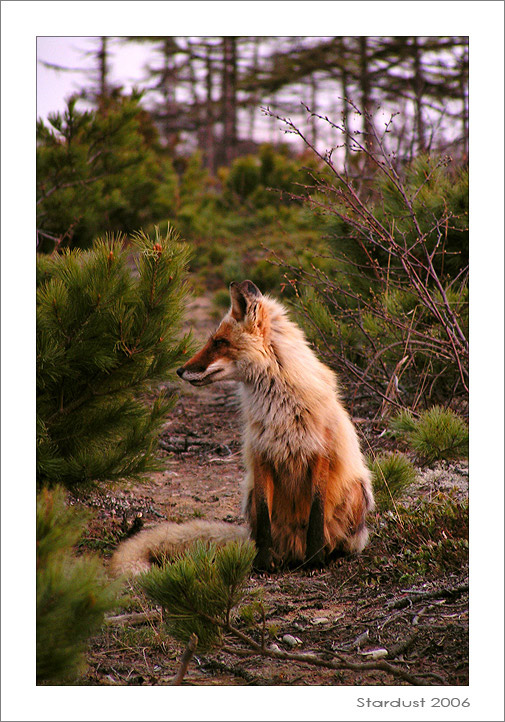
x: 180, y: 371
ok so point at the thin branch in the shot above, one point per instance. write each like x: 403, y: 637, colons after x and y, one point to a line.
x: 415, y: 257
x: 70, y: 184
x: 185, y: 660
x: 311, y: 659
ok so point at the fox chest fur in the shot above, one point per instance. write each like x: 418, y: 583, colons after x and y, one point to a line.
x: 279, y: 427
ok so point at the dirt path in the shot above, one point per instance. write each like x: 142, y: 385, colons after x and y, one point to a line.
x: 355, y: 607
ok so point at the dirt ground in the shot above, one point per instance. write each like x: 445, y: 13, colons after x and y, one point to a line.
x: 356, y: 608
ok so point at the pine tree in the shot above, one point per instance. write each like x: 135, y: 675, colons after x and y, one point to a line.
x: 106, y: 338
x: 72, y: 592
x: 100, y: 172
x: 200, y: 589
x: 438, y: 434
x: 392, y: 473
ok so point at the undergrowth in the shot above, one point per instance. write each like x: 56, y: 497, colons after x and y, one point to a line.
x: 415, y: 542
x: 73, y: 592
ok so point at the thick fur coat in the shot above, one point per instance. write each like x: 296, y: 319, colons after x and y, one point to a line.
x: 307, y: 490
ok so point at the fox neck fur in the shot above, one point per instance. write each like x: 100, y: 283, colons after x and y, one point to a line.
x: 283, y: 383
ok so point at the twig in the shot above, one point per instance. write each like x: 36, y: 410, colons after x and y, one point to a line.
x: 412, y: 251
x: 70, y: 184
x: 185, y: 660
x: 311, y: 659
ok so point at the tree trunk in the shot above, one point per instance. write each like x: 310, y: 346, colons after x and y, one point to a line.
x: 102, y: 57
x: 463, y: 80
x: 229, y: 100
x: 167, y: 88
x: 366, y: 98
x: 210, y: 149
x: 254, y: 99
x: 345, y: 106
x: 418, y: 91
x: 313, y: 103
x: 102, y: 91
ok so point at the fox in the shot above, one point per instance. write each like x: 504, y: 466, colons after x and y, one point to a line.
x: 306, y: 491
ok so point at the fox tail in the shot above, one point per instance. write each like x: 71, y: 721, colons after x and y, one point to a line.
x: 165, y: 541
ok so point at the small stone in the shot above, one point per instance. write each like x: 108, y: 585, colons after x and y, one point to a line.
x: 320, y: 620
x: 290, y: 640
x: 275, y: 647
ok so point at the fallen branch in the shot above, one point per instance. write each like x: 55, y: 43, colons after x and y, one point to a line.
x: 424, y: 610
x: 133, y: 619
x: 313, y: 660
x: 417, y: 596
x: 307, y: 658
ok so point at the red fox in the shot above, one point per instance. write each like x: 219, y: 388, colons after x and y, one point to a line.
x: 306, y: 491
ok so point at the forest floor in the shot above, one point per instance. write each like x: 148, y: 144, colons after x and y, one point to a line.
x: 386, y: 614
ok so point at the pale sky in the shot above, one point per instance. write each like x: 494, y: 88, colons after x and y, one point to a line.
x: 53, y: 87
x: 127, y: 68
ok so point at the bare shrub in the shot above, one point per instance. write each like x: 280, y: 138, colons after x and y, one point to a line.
x: 389, y: 306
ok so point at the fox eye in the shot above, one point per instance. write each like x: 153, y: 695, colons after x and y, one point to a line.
x: 221, y: 342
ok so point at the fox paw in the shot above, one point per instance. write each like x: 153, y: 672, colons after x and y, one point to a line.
x: 263, y: 561
x: 316, y: 560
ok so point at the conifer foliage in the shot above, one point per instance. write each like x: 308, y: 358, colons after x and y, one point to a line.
x: 438, y: 434
x: 200, y: 589
x: 100, y: 172
x: 72, y: 592
x: 107, y: 336
x: 392, y: 473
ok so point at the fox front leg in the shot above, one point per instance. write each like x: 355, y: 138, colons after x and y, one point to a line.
x: 315, y: 554
x: 261, y: 527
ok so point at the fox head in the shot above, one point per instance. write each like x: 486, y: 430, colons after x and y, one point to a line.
x: 238, y: 341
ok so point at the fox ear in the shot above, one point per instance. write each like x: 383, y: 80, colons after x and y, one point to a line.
x: 244, y: 296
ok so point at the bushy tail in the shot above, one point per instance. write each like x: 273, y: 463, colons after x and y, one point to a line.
x: 165, y: 541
